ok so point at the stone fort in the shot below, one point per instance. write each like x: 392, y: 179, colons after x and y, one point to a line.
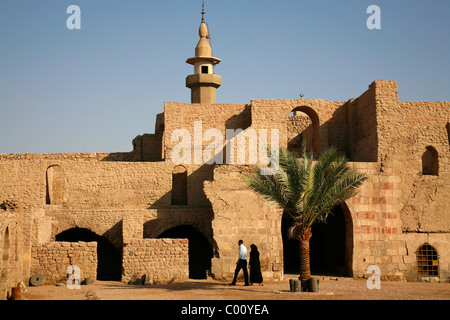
x: 138, y: 217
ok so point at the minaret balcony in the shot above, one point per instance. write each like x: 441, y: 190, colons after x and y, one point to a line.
x: 203, y: 79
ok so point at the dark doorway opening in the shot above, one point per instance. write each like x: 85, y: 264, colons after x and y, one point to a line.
x: 331, y: 246
x: 327, y: 245
x: 200, y: 251
x: 291, y: 249
x: 109, y: 266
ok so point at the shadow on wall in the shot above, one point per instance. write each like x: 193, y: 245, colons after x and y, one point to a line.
x: 344, y: 130
x: 187, y: 188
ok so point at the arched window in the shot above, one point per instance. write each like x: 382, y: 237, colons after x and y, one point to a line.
x: 303, y: 125
x: 5, y: 256
x: 55, y: 185
x: 448, y: 131
x: 430, y: 162
x: 179, y: 186
x: 427, y: 261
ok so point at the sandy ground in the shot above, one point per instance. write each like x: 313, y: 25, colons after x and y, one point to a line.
x: 330, y: 289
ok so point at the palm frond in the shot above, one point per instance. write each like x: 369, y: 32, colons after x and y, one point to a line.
x: 268, y: 186
x: 293, y: 175
x: 307, y: 193
x: 334, y: 182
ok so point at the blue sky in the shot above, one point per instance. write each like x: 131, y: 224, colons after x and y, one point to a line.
x: 95, y: 89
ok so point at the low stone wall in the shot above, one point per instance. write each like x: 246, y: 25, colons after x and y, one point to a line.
x: 53, y: 258
x: 155, y: 261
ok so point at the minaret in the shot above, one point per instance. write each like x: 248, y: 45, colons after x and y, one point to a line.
x: 203, y: 83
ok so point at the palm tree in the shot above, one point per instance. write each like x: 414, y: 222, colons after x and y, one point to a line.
x: 307, y: 192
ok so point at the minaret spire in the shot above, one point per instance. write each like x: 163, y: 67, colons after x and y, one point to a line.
x: 203, y: 83
x: 203, y: 11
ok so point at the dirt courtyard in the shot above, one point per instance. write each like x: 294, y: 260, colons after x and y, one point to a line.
x: 329, y: 289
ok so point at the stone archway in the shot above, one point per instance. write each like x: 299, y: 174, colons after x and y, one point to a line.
x: 109, y: 258
x: 303, y: 125
x: 4, y: 265
x: 331, y: 245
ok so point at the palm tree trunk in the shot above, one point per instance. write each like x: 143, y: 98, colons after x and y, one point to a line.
x: 303, y: 236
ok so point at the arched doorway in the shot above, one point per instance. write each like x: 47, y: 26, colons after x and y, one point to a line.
x: 4, y: 266
x: 5, y: 257
x: 291, y: 249
x: 331, y: 245
x: 327, y: 245
x: 200, y: 251
x: 109, y: 258
x: 303, y: 125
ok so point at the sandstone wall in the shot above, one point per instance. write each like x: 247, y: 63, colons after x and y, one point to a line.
x: 118, y: 224
x: 88, y: 182
x: 212, y: 116
x: 274, y: 114
x: 241, y: 214
x: 124, y: 195
x: 148, y: 147
x: 406, y: 129
x: 52, y: 260
x: 362, y: 127
x: 299, y: 128
x: 373, y: 225
x: 377, y: 223
x: 12, y: 254
x: 163, y: 219
x: 330, y: 123
x: 440, y: 241
x: 156, y: 261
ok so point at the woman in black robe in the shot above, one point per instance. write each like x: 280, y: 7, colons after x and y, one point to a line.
x: 255, y: 266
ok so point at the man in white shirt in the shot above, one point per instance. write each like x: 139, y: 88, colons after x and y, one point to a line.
x: 241, y: 264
